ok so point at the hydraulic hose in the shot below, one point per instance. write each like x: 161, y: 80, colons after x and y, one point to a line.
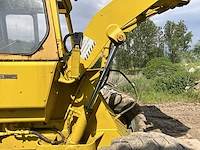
x: 27, y: 132
x: 42, y: 137
x: 135, y: 90
x: 65, y: 39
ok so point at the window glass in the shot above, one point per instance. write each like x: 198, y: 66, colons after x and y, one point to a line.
x: 64, y: 31
x: 23, y: 26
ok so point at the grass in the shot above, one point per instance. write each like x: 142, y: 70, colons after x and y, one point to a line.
x: 162, y: 97
x: 147, y: 92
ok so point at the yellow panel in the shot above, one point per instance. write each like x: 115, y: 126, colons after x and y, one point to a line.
x: 25, y: 84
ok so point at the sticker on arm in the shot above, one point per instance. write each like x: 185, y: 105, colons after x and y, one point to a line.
x: 87, y: 46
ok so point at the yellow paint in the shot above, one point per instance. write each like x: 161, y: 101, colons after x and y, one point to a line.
x: 75, y: 67
x: 43, y: 94
x: 127, y: 15
x: 115, y: 34
x: 28, y: 92
x: 56, y: 21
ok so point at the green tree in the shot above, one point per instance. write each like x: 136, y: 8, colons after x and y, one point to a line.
x: 188, y: 56
x: 196, y: 50
x: 123, y: 59
x: 177, y: 39
x: 160, y: 66
x: 142, y: 44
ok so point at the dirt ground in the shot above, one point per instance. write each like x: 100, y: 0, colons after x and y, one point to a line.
x: 180, y: 120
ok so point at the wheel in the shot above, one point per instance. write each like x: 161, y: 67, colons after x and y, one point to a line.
x: 118, y: 101
x: 146, y: 141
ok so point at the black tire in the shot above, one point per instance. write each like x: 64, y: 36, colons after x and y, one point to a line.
x: 146, y: 141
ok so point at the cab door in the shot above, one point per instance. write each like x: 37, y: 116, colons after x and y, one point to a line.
x: 28, y: 60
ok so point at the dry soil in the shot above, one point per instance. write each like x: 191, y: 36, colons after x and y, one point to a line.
x: 180, y: 120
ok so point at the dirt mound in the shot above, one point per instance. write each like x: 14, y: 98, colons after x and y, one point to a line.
x: 180, y: 120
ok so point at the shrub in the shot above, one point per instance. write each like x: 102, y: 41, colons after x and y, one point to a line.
x: 160, y: 66
x: 158, y: 60
x: 175, y: 83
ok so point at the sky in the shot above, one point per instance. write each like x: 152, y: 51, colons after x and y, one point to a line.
x: 84, y: 10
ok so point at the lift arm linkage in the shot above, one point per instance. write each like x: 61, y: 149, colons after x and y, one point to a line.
x: 125, y: 14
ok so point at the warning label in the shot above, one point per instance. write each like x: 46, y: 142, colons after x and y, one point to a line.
x: 87, y: 46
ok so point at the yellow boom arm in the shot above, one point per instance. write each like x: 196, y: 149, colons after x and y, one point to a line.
x: 125, y: 14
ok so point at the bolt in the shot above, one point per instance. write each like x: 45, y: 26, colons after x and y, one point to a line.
x: 120, y: 38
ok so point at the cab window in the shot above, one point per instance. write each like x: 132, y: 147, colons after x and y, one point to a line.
x: 22, y: 26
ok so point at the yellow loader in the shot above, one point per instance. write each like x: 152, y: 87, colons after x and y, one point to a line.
x: 50, y: 96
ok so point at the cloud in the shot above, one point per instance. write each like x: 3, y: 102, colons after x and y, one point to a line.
x: 84, y: 10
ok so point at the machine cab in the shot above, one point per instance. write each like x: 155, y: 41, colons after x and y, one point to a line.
x: 29, y: 55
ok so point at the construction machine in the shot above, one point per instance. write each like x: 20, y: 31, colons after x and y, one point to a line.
x: 49, y: 95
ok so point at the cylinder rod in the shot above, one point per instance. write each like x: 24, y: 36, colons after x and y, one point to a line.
x: 102, y: 77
